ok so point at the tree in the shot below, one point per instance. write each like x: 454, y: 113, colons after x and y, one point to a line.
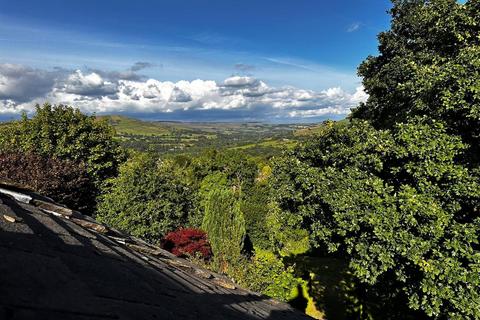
x: 429, y: 64
x: 239, y: 170
x: 225, y: 226
x: 212, y: 169
x: 64, y: 132
x: 397, y: 205
x: 147, y: 199
x: 255, y: 208
x: 211, y: 182
x: 65, y: 181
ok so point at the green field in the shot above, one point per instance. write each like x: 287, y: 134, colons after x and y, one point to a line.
x: 254, y: 138
x: 125, y: 126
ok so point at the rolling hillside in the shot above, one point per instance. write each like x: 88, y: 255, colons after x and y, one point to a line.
x: 251, y: 137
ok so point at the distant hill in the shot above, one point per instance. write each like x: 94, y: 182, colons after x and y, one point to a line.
x: 318, y: 128
x: 125, y: 125
x: 171, y: 136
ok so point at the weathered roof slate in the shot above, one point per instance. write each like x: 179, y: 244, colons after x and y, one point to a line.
x: 58, y: 264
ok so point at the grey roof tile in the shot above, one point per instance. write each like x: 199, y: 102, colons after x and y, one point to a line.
x: 58, y: 264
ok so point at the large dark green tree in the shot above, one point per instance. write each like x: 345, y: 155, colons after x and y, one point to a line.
x: 429, y: 64
x: 398, y: 206
x: 398, y: 195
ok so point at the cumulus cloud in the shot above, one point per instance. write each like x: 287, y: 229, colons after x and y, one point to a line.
x: 129, y: 74
x: 91, y: 84
x: 178, y: 95
x: 20, y: 83
x: 237, y: 81
x: 108, y: 92
x: 114, y: 76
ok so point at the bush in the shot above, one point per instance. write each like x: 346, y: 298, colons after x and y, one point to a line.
x: 266, y: 273
x: 147, y: 199
x: 213, y: 169
x: 255, y: 209
x: 65, y: 181
x: 187, y: 242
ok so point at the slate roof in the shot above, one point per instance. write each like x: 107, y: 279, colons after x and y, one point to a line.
x: 58, y: 264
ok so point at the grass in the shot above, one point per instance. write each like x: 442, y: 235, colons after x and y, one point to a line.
x: 124, y: 126
x: 254, y: 138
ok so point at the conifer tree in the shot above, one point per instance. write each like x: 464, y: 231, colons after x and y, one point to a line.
x: 225, y: 226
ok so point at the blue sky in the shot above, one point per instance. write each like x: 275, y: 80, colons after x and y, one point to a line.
x: 305, y: 46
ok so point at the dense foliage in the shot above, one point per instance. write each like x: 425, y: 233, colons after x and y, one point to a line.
x: 214, y: 170
x: 225, y: 226
x: 65, y: 133
x: 266, y: 273
x: 254, y: 207
x: 429, y: 64
x: 147, y: 199
x: 66, y: 181
x: 396, y: 204
x: 388, y: 200
x: 187, y: 242
x: 398, y: 196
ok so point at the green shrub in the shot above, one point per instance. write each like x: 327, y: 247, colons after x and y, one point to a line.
x: 147, y: 199
x: 207, y: 185
x: 266, y: 273
x: 255, y: 208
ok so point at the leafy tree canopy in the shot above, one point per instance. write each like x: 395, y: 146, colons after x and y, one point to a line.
x: 266, y: 273
x: 64, y: 132
x: 65, y: 181
x: 429, y: 64
x: 238, y: 169
x: 396, y: 204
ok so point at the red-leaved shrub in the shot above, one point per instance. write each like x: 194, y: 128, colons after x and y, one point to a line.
x: 187, y: 242
x: 64, y: 181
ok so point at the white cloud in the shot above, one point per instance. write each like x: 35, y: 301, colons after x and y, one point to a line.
x: 178, y: 95
x: 238, y: 81
x: 91, y: 84
x: 360, y: 95
x: 10, y: 107
x: 107, y: 92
